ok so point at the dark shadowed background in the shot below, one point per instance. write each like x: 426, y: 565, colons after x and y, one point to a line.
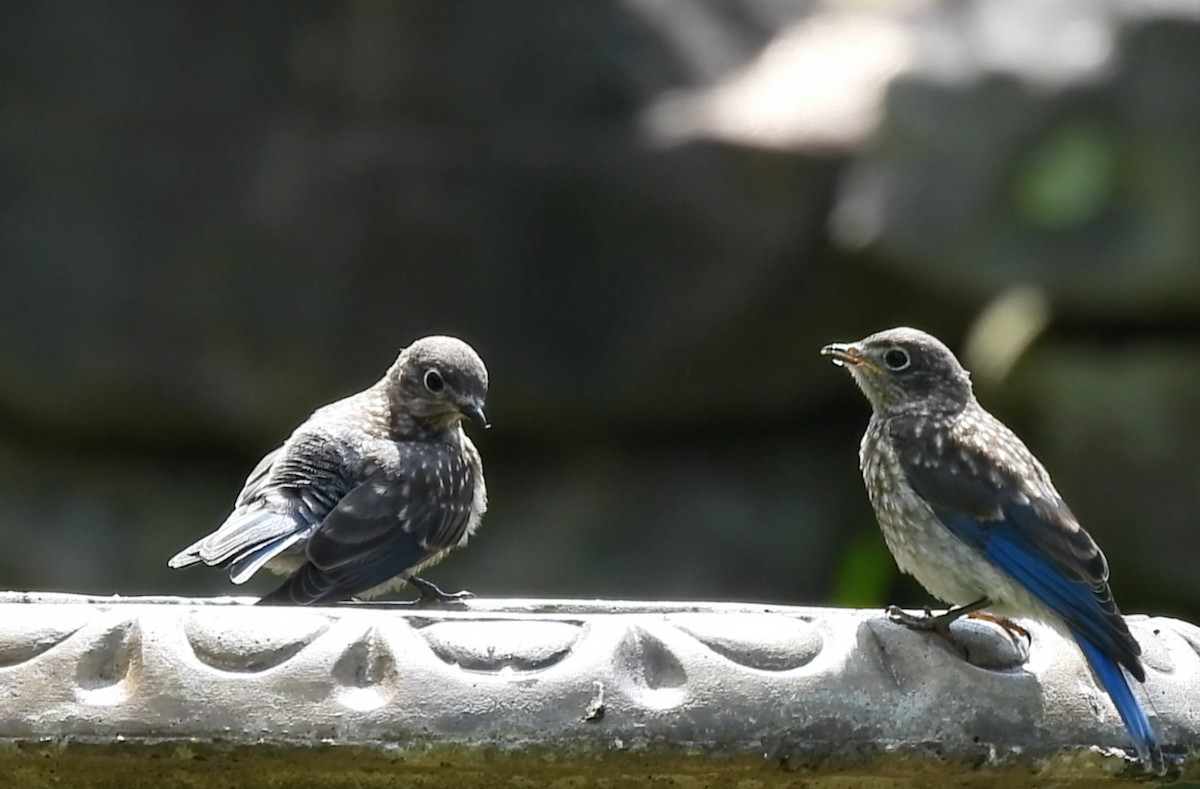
x: 647, y: 216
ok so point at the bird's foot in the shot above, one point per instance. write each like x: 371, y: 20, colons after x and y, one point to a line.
x: 1005, y: 624
x: 924, y: 621
x: 938, y: 624
x: 432, y: 594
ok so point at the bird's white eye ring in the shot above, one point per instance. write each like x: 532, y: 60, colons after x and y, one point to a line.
x: 433, y: 381
x: 896, y: 359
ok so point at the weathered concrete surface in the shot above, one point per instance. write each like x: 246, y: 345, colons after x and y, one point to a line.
x: 146, y: 691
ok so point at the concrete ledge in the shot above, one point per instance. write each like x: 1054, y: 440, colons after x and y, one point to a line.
x: 147, y: 691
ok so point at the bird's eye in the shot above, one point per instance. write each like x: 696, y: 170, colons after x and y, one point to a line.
x: 433, y: 381
x: 896, y: 359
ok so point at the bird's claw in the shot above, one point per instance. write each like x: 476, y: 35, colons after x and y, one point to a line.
x: 448, y: 597
x: 432, y: 594
x: 1004, y: 623
x: 925, y: 621
x: 940, y: 623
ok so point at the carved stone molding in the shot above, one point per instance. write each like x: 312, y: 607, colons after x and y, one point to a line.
x: 500, y: 692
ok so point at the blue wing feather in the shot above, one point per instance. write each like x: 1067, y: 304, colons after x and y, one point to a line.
x: 1075, y: 600
x: 1103, y: 645
x: 1036, y: 540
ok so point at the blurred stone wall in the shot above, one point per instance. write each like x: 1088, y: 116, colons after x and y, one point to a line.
x: 647, y: 216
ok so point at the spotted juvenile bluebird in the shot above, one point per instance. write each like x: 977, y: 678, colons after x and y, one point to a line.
x: 967, y: 510
x: 367, y: 492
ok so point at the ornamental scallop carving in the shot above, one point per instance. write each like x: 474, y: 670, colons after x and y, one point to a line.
x: 767, y: 642
x: 501, y: 645
x: 22, y: 641
x: 106, y: 670
x: 244, y: 640
x: 771, y: 683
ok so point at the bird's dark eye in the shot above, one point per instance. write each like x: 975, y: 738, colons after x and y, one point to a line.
x: 896, y: 359
x: 433, y: 381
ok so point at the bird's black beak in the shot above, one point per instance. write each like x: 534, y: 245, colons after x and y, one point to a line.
x: 474, y: 412
x: 847, y: 354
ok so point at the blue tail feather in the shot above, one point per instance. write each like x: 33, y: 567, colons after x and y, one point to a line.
x: 1115, y: 683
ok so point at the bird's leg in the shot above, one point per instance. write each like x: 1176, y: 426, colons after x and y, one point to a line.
x: 939, y: 623
x: 431, y: 593
x: 1006, y: 624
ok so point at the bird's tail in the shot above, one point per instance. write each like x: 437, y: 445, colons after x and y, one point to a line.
x: 1116, y: 684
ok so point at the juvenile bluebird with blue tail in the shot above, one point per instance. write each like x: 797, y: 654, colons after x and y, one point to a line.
x: 967, y: 510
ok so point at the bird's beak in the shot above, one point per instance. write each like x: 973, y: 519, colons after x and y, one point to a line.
x: 474, y: 412
x: 848, y: 354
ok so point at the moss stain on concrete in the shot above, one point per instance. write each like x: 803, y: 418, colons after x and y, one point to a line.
x: 135, y: 765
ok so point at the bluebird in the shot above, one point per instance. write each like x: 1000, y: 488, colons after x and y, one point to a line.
x: 369, y: 491
x: 967, y: 510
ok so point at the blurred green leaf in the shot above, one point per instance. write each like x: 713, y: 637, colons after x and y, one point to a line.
x: 1068, y: 178
x: 866, y: 572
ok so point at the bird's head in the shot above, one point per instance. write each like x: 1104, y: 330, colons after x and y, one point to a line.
x: 438, y: 381
x: 905, y: 370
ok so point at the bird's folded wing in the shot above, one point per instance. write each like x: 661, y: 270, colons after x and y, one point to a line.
x: 1027, y: 531
x: 377, y: 531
